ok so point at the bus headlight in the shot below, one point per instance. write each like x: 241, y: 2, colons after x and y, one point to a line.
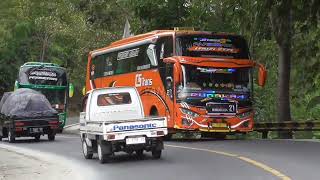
x: 190, y: 113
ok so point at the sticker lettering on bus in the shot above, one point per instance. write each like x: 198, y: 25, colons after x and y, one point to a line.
x: 128, y: 54
x: 141, y: 81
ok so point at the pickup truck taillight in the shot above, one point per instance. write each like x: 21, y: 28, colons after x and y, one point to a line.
x: 111, y: 136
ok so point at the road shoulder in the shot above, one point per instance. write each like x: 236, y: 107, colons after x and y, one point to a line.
x: 16, y: 166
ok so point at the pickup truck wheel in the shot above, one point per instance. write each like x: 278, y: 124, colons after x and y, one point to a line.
x: 11, y: 137
x: 51, y: 136
x: 37, y: 137
x: 103, y: 158
x: 156, y: 154
x: 139, y: 153
x: 87, y: 152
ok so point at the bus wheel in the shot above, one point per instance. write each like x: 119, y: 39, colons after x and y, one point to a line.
x: 154, y: 111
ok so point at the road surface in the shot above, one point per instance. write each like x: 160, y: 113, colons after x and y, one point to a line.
x: 209, y: 159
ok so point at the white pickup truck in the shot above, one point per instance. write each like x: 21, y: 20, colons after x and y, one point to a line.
x: 113, y: 120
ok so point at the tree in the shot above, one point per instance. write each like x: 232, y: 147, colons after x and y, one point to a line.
x: 281, y: 22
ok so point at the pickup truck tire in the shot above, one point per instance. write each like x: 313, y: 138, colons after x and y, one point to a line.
x: 0, y: 138
x: 103, y: 158
x: 11, y: 136
x: 37, y: 137
x: 156, y: 154
x: 51, y: 136
x: 87, y: 151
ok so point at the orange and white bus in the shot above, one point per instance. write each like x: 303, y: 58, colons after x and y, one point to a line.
x: 201, y: 81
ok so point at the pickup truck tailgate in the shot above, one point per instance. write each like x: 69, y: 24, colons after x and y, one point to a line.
x: 119, y: 130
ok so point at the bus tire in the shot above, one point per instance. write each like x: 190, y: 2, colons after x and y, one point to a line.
x: 11, y: 136
x: 154, y: 111
x: 86, y: 150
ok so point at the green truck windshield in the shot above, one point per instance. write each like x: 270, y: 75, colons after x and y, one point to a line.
x: 42, y: 75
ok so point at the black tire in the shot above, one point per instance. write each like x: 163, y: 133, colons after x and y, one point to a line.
x: 37, y: 137
x: 86, y: 150
x: 0, y: 138
x: 154, y: 111
x: 51, y: 136
x: 11, y: 136
x: 139, y: 153
x: 156, y: 154
x: 103, y: 158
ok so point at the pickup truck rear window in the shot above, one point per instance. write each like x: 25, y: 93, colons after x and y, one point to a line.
x: 113, y: 99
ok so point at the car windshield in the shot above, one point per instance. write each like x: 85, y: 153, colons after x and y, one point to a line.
x: 54, y: 96
x: 203, y: 84
x: 42, y: 75
x: 223, y: 46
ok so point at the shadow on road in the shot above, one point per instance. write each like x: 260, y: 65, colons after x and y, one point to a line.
x: 29, y: 140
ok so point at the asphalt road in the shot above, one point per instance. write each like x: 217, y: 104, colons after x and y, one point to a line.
x: 210, y: 159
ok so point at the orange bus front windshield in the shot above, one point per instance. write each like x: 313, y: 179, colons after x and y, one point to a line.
x: 204, y: 84
x: 224, y: 46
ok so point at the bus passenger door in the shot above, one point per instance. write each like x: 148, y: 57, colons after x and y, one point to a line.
x: 169, y: 90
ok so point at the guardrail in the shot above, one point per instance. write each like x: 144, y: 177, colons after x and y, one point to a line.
x: 290, y: 126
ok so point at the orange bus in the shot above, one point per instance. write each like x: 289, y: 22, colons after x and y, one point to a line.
x: 201, y: 81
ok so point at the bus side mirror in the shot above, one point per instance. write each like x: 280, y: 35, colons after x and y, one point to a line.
x: 262, y: 75
x: 16, y: 85
x: 151, y: 53
x: 178, y: 73
x: 71, y: 90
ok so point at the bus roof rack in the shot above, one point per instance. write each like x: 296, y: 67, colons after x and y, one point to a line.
x: 39, y: 64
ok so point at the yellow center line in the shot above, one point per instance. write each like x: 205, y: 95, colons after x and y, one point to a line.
x: 242, y: 158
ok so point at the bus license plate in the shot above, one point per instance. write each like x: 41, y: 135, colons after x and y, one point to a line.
x: 36, y: 130
x: 219, y: 125
x: 136, y: 140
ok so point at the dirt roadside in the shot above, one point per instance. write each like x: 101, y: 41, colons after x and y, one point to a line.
x: 18, y: 166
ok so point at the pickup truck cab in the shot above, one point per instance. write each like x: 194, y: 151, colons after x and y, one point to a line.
x: 113, y: 120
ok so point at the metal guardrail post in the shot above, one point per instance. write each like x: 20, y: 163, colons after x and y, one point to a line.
x: 265, y: 134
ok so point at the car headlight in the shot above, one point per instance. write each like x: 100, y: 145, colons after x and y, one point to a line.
x: 190, y: 113
x: 244, y: 115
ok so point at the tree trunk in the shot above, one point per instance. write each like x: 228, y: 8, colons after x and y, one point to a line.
x: 284, y: 88
x: 281, y: 21
x: 44, y: 48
